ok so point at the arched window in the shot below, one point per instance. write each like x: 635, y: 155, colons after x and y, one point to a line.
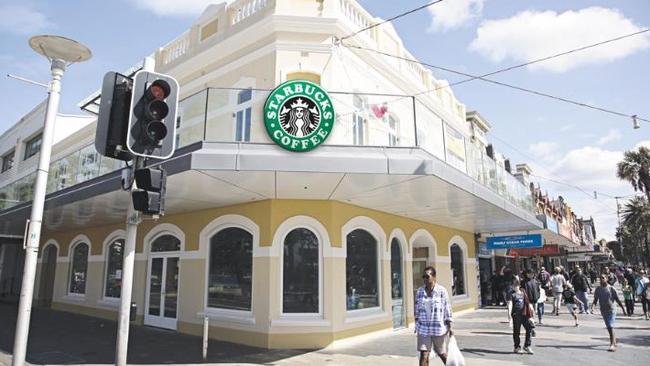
x: 300, y: 272
x: 457, y: 270
x: 166, y: 243
x: 361, y: 270
x: 79, y: 269
x: 114, y: 256
x: 231, y: 269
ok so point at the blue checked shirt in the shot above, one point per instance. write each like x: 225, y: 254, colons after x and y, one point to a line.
x: 432, y: 313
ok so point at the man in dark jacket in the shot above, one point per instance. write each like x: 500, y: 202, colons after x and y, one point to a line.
x: 531, y: 286
x: 581, y: 284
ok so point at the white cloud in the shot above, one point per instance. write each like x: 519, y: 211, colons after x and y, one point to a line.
x: 590, y: 166
x: 176, y: 7
x: 531, y: 35
x: 611, y: 136
x: 645, y: 143
x: 545, y: 150
x: 567, y: 127
x: 21, y: 19
x: 454, y: 13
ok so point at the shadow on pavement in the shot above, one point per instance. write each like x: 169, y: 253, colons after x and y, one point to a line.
x: 58, y: 337
x: 482, y: 352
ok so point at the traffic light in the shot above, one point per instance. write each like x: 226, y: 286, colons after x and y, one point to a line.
x: 152, y: 119
x: 113, y: 119
x: 149, y: 198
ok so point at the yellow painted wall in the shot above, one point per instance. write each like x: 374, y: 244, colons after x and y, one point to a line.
x: 268, y: 215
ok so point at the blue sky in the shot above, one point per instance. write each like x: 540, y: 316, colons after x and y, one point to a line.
x: 561, y: 141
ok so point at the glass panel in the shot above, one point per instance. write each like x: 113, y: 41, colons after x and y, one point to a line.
x: 114, y: 269
x: 171, y: 287
x: 457, y: 271
x: 88, y: 164
x: 220, y: 125
x: 247, y: 124
x: 79, y: 268
x: 361, y: 270
x: 191, y: 119
x: 231, y: 268
x: 244, y: 96
x: 418, y: 270
x: 155, y: 286
x: 238, y: 125
x: 396, y: 269
x: 166, y: 243
x: 300, y: 276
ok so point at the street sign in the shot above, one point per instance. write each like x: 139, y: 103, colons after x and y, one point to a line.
x: 515, y: 241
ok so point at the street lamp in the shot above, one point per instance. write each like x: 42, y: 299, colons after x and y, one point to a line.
x: 60, y: 51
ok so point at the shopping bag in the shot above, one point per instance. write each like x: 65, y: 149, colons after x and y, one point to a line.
x: 454, y: 357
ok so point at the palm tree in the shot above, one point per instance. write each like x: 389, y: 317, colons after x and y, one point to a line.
x: 636, y: 219
x: 635, y: 168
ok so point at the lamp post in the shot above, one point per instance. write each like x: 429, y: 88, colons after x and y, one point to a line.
x: 60, y: 51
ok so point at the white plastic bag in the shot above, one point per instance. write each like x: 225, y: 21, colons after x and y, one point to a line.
x: 454, y: 357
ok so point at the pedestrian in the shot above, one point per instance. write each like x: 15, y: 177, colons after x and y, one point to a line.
x: 570, y: 300
x: 508, y: 277
x: 432, y: 318
x: 611, y: 277
x: 593, y: 275
x: 564, y: 274
x: 642, y: 293
x: 606, y: 295
x: 581, y: 284
x: 494, y: 285
x: 557, y: 282
x: 540, y: 304
x: 519, y: 305
x: 544, y: 279
x: 628, y: 297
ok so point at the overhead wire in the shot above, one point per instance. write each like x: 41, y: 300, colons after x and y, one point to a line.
x: 511, y: 86
x: 391, y: 19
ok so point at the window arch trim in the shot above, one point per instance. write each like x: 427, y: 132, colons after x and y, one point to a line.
x: 281, y: 233
x: 110, y: 239
x: 160, y: 230
x: 458, y: 240
x: 75, y: 243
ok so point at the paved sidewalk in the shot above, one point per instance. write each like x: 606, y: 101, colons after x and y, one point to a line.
x: 484, y: 337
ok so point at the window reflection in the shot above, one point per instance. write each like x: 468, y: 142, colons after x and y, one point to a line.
x: 300, y: 276
x: 231, y: 265
x: 361, y: 270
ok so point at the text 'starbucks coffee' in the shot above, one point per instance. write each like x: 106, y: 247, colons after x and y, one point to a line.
x: 298, y: 115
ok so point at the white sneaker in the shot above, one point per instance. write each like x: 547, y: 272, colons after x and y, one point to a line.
x: 518, y: 351
x: 529, y: 350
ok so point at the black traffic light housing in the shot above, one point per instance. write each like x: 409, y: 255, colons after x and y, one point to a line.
x: 152, y: 118
x: 113, y: 119
x: 149, y: 198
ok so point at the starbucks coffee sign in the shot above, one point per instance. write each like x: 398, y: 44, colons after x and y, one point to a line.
x: 298, y: 115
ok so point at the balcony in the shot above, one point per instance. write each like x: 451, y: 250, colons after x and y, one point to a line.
x: 232, y: 115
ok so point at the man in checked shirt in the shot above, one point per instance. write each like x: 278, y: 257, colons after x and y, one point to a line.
x: 432, y: 318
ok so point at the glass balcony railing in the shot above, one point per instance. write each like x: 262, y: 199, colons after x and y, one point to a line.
x: 235, y: 115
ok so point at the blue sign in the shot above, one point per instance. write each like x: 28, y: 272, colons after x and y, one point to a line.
x: 515, y: 241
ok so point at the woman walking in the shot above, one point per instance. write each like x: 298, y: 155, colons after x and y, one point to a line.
x: 519, y: 304
x: 540, y: 304
x: 557, y: 282
x: 628, y: 296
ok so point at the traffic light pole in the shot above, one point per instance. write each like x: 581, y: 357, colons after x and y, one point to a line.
x: 133, y: 218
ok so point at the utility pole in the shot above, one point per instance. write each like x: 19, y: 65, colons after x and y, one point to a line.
x: 59, y: 51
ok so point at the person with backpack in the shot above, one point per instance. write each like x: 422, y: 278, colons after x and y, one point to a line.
x: 520, y: 305
x: 544, y: 279
x: 557, y: 282
x: 581, y: 284
x: 606, y: 295
x: 628, y: 297
x: 570, y: 300
x: 643, y: 293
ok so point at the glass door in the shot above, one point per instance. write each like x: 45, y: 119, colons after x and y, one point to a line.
x: 162, y: 292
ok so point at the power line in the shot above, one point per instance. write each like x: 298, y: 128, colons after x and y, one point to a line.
x: 391, y: 19
x: 538, y: 60
x: 526, y: 90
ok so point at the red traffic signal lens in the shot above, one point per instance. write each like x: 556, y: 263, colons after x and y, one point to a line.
x: 156, y: 131
x: 158, y: 90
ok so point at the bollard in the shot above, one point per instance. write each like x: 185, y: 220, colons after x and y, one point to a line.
x: 133, y: 312
x: 206, y: 324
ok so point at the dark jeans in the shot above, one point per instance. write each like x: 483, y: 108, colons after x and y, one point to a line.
x: 629, y: 306
x: 518, y: 320
x: 540, y: 311
x: 646, y: 305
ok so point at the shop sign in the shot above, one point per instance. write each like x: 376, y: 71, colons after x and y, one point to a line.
x: 298, y: 115
x: 515, y: 241
x: 545, y: 251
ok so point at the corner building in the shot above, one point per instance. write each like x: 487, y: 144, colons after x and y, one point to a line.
x: 280, y: 249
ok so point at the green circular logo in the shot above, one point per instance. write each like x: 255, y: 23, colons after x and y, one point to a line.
x: 298, y: 115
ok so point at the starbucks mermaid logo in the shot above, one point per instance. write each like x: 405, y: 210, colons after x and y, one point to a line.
x: 298, y: 115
